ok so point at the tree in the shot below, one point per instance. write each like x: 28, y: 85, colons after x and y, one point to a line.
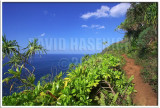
x: 34, y: 48
x: 140, y: 18
x: 9, y: 47
x: 104, y: 43
x: 20, y: 61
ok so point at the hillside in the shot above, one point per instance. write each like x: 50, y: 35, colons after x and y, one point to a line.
x: 141, y: 40
x: 101, y: 79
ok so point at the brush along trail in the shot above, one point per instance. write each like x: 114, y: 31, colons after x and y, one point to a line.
x: 145, y: 96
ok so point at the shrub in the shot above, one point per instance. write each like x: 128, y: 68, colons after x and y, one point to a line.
x: 99, y: 80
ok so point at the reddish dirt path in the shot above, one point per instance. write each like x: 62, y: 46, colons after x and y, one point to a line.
x: 145, y: 96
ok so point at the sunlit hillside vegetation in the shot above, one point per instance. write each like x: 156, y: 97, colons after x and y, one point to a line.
x: 141, y: 39
x: 99, y: 79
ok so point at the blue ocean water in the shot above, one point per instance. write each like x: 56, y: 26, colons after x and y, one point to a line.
x: 44, y: 64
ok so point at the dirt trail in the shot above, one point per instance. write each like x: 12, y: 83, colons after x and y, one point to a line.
x: 145, y: 96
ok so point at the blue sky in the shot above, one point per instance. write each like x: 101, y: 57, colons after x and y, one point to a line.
x: 52, y: 21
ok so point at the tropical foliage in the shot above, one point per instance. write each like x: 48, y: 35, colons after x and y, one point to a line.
x: 141, y: 39
x: 19, y: 62
x: 99, y: 80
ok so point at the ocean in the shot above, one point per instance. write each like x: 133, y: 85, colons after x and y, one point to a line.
x: 45, y: 64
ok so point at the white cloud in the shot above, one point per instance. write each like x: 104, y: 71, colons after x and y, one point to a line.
x: 102, y: 12
x: 97, y: 26
x: 101, y: 27
x: 93, y: 26
x: 43, y: 34
x: 119, y: 10
x: 105, y: 11
x: 84, y: 26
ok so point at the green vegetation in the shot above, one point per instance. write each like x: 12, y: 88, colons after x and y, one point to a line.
x: 18, y: 61
x: 99, y: 80
x: 141, y: 40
